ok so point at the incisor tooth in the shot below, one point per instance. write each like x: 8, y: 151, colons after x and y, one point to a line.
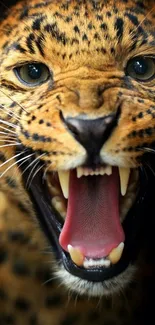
x: 76, y: 255
x: 82, y: 171
x: 79, y: 172
x: 116, y: 253
x: 124, y: 174
x: 108, y: 170
x: 64, y: 182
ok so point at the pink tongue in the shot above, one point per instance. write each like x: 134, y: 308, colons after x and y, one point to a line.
x: 92, y: 222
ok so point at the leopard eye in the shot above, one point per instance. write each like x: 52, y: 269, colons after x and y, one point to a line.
x: 141, y: 68
x: 32, y: 74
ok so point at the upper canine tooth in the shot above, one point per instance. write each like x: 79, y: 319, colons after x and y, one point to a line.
x: 124, y: 179
x: 76, y: 255
x: 116, y: 253
x: 64, y: 182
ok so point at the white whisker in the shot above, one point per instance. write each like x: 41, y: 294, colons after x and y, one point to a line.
x: 32, y: 163
x: 9, y: 131
x: 10, y: 145
x: 37, y: 171
x: 37, y: 160
x: 45, y: 172
x: 149, y: 150
x: 8, y: 111
x: 15, y: 163
x: 14, y: 101
x: 8, y: 160
x: 8, y: 123
x: 8, y: 140
x: 7, y: 134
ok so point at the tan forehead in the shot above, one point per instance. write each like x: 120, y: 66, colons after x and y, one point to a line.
x: 82, y: 15
x: 81, y: 30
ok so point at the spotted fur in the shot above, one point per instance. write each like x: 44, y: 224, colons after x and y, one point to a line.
x: 86, y: 45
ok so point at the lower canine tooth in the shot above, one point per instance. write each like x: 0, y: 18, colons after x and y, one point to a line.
x: 76, y: 255
x: 116, y: 254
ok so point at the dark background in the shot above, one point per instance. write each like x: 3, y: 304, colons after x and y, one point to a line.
x: 7, y: 3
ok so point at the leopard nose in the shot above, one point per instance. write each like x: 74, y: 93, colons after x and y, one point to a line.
x: 91, y: 134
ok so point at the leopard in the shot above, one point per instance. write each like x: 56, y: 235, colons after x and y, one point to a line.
x: 77, y: 144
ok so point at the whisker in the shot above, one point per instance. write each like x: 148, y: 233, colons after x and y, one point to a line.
x: 14, y: 101
x: 149, y: 150
x: 33, y: 162
x: 142, y: 21
x: 8, y: 123
x: 45, y: 172
x: 10, y: 145
x: 15, y: 163
x: 7, y: 134
x: 56, y: 277
x: 23, y: 162
x: 11, y: 115
x: 37, y: 171
x: 8, y: 140
x: 37, y: 161
x: 2, y: 107
x: 9, y: 131
x: 148, y: 165
x: 8, y: 160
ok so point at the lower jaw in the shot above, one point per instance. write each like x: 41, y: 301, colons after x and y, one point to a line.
x: 51, y: 224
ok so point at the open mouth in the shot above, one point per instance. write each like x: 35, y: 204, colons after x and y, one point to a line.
x: 89, y: 217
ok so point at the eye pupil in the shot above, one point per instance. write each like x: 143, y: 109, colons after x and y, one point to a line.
x: 140, y: 66
x: 34, y: 71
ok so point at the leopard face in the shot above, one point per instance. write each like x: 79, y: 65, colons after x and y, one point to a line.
x: 77, y: 110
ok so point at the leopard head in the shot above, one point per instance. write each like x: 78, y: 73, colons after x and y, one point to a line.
x: 77, y: 91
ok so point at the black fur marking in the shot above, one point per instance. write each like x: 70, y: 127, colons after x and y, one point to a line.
x: 53, y: 301
x: 140, y: 115
x: 55, y: 33
x: 20, y: 268
x: 42, y: 138
x: 2, y: 157
x: 70, y: 320
x: 103, y: 26
x: 18, y: 236
x: 19, y: 48
x: 44, y: 276
x: 11, y: 182
x: 30, y: 43
x: 3, y: 256
x: 24, y: 13
x: 132, y: 18
x: 76, y: 29
x: 22, y: 304
x: 37, y: 23
x: 3, y: 295
x: 8, y: 319
x: 119, y: 27
x: 33, y: 320
x: 40, y: 44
